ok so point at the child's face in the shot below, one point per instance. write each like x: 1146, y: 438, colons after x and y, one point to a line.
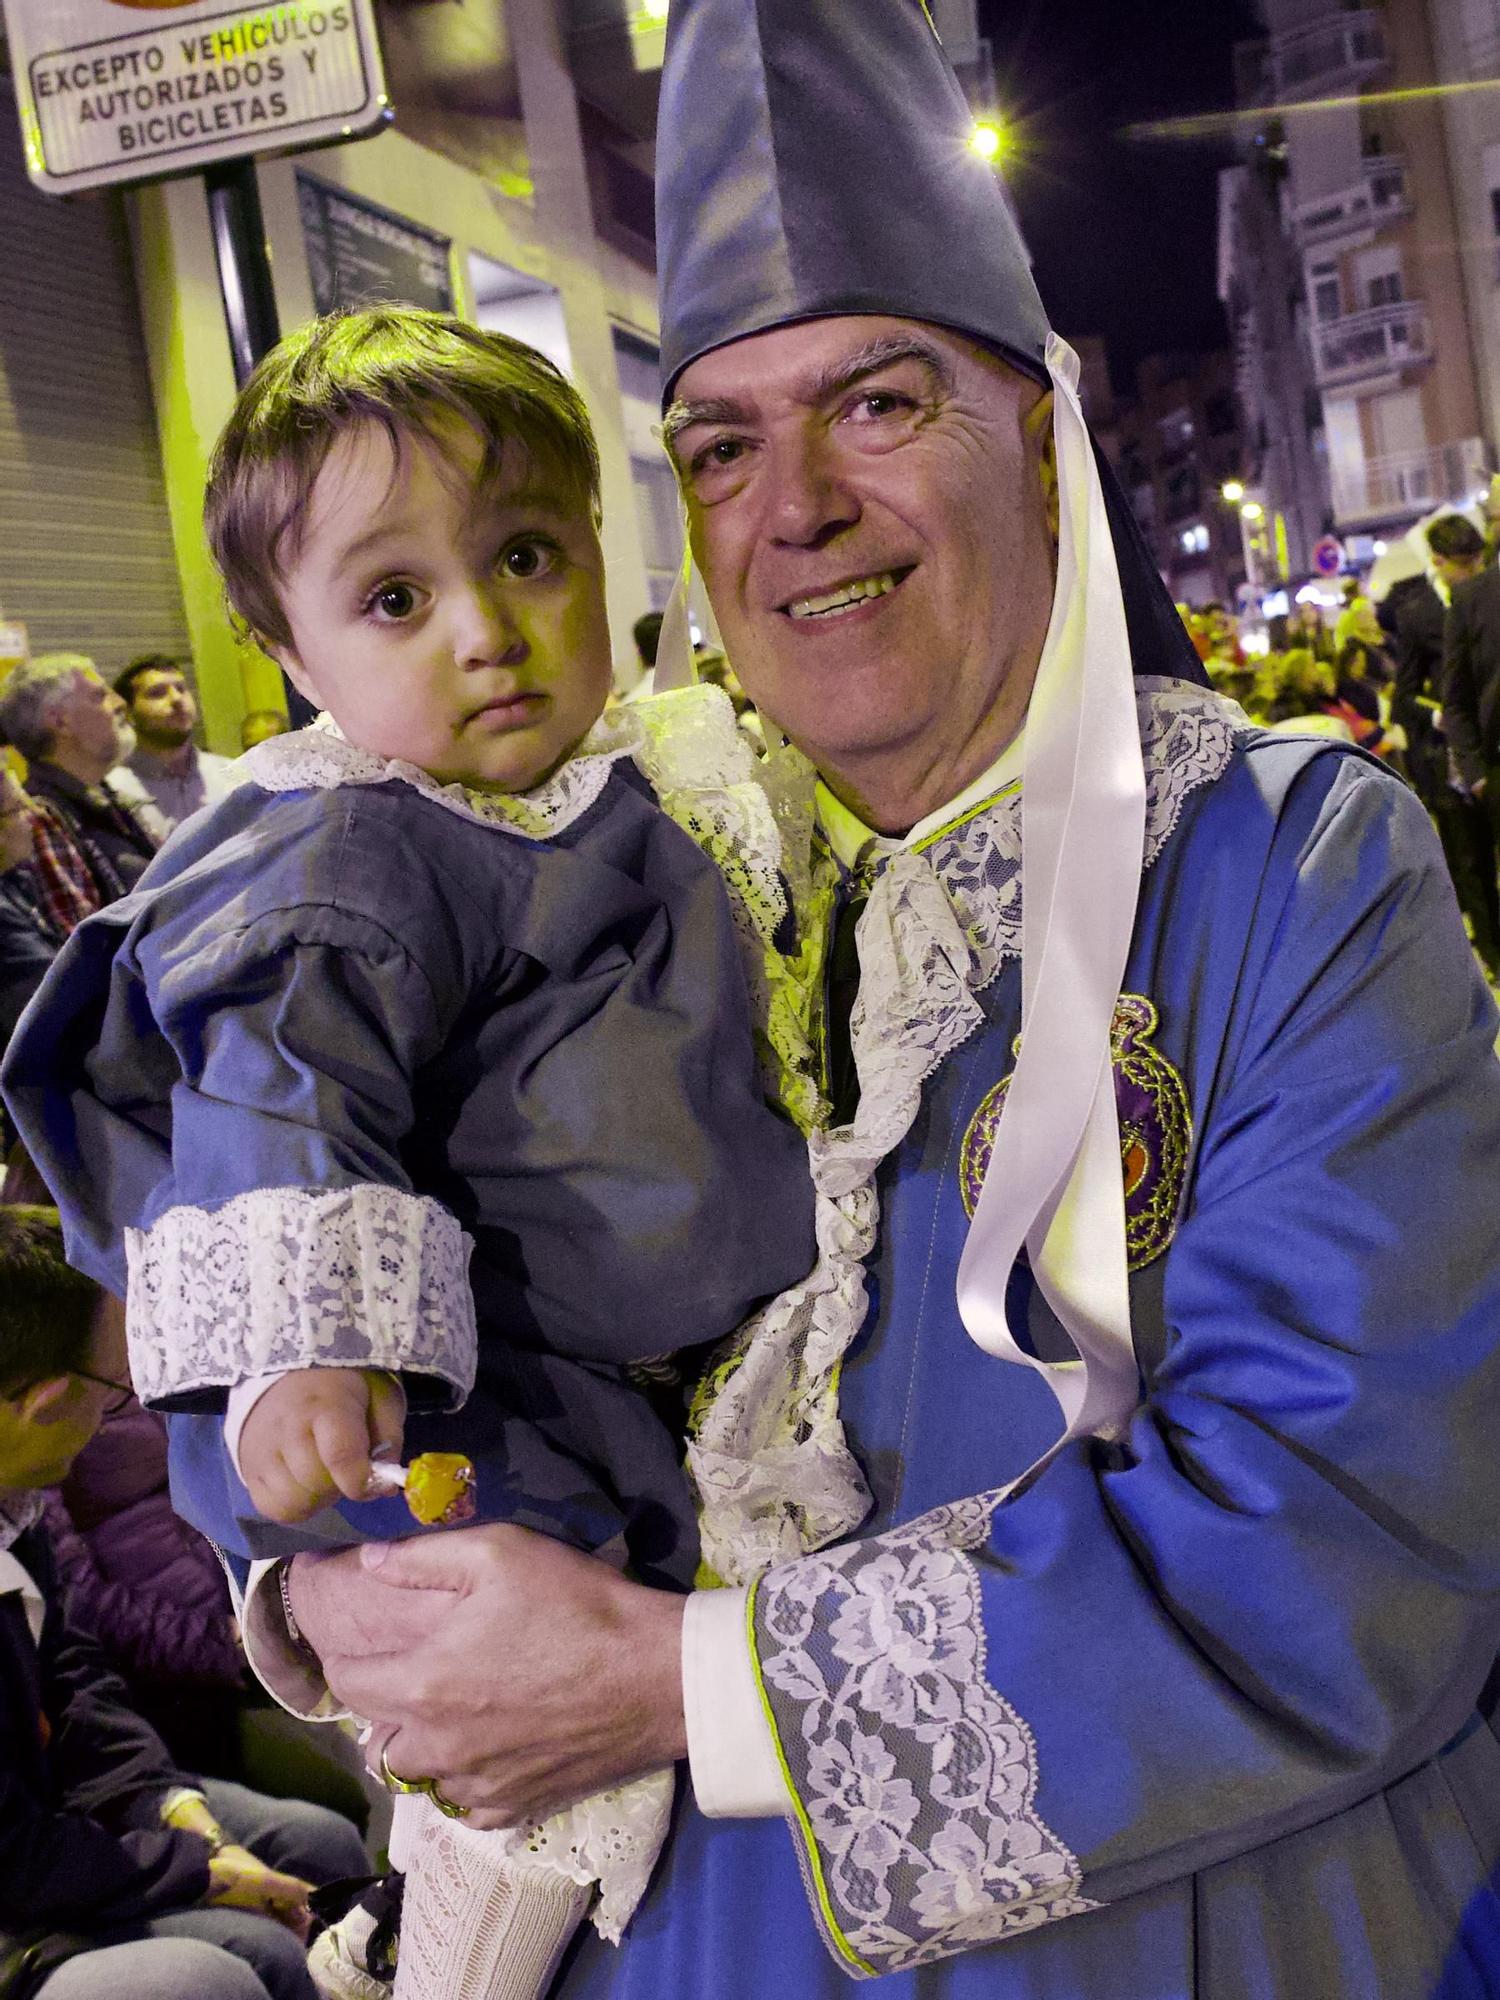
x: 462, y: 632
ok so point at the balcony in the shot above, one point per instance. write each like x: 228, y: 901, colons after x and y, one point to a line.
x: 1333, y: 57
x: 1411, y: 483
x: 1382, y: 341
x: 1379, y: 196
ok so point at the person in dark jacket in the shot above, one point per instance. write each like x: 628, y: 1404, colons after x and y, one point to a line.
x: 91, y: 847
x: 1470, y: 681
x: 101, y: 1835
x: 1414, y: 614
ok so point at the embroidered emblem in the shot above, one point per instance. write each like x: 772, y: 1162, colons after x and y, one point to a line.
x: 1156, y: 1131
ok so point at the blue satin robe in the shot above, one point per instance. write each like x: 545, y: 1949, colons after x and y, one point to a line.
x: 1242, y: 1650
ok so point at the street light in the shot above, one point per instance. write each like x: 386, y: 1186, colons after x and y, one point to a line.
x: 988, y: 138
x: 1233, y: 491
x: 1252, y: 511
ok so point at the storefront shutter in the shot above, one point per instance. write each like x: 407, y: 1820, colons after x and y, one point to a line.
x: 86, y: 557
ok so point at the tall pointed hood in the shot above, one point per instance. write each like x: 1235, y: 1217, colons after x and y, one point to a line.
x: 814, y: 158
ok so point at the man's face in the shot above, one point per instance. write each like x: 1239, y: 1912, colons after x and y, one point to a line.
x: 462, y: 631
x: 90, y: 719
x: 44, y: 1425
x: 162, y: 708
x: 867, y: 505
x: 1456, y: 569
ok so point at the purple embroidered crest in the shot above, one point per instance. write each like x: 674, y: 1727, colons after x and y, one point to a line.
x: 1156, y: 1132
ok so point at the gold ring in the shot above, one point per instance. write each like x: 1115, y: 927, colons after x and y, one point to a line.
x: 393, y: 1783
x: 445, y: 1806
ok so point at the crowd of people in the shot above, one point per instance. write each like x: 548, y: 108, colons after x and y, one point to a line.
x: 1410, y: 673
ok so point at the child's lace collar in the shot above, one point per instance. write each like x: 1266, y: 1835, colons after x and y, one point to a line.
x: 685, y: 741
x: 321, y: 758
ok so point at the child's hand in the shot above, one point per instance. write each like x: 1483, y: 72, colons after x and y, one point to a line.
x: 310, y: 1436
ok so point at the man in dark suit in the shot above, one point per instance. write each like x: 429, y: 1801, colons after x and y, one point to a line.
x: 1471, y: 683
x: 1414, y: 615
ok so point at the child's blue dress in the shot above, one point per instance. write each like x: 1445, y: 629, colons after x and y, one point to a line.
x: 371, y: 1071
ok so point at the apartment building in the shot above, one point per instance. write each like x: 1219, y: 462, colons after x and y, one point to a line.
x: 1174, y: 443
x: 1377, y: 272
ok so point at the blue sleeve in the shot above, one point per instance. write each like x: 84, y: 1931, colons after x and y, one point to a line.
x: 287, y: 1233
x: 1279, y: 1591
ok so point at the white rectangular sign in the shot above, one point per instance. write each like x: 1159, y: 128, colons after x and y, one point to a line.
x: 130, y: 90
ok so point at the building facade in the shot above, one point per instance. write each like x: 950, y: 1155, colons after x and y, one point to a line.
x: 1370, y: 219
x: 1175, y: 443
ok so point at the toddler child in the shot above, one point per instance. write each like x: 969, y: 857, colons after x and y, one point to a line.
x: 411, y: 1097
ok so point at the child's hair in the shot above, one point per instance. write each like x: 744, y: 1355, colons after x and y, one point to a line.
x: 46, y: 1307
x: 408, y: 371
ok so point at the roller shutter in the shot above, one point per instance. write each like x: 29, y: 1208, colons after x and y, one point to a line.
x: 86, y: 557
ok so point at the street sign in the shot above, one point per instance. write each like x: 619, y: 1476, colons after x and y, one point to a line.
x: 133, y: 90
x: 1328, y: 556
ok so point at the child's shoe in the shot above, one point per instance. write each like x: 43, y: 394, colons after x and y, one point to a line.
x: 355, y: 1958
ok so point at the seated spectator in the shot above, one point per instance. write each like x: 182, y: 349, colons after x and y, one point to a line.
x: 163, y: 712
x: 262, y: 723
x: 89, y: 847
x: 28, y: 938
x: 118, y: 1869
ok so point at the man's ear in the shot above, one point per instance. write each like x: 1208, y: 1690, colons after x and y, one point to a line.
x: 292, y: 667
x: 1041, y: 435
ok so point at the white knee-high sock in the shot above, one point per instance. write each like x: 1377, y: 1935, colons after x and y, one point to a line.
x: 476, y: 1923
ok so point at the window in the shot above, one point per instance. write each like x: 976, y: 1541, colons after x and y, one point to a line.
x: 1327, y: 303
x: 1385, y: 289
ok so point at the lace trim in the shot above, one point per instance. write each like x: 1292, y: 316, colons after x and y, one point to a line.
x: 362, y: 1277
x: 612, y: 1838
x: 916, y: 1780
x: 767, y: 1451
x: 321, y: 759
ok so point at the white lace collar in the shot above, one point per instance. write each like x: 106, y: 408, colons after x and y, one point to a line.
x: 321, y: 758
x: 773, y: 1472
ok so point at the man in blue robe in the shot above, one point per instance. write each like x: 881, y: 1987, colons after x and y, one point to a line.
x: 1177, y: 1693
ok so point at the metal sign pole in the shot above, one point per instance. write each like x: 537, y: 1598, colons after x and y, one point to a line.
x: 249, y: 299
x: 244, y: 265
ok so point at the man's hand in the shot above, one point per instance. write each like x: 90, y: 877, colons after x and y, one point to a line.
x: 519, y: 1674
x: 237, y: 1881
x: 310, y: 1436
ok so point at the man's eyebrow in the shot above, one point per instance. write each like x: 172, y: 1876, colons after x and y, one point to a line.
x: 834, y: 380
x: 682, y: 416
x: 874, y: 356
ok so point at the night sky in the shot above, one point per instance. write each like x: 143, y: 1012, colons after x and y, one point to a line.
x: 1124, y: 234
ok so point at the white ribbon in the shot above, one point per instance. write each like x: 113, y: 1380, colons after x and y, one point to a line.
x: 1054, y: 1182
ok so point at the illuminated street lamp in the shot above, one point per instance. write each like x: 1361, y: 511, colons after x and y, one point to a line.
x: 655, y: 10
x: 1233, y: 490
x: 1252, y: 511
x: 988, y: 138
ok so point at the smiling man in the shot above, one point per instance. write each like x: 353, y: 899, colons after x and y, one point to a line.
x: 1107, y: 1554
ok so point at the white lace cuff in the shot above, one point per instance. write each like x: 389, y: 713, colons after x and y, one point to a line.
x: 732, y: 1756
x: 362, y: 1277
